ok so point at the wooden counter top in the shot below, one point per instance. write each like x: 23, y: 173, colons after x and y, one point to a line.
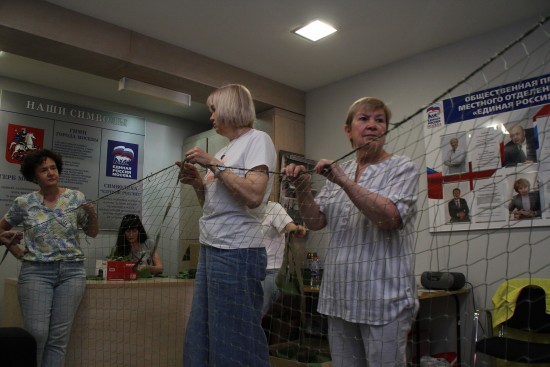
x: 123, y: 323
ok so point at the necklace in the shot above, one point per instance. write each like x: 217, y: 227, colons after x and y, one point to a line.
x: 228, y: 147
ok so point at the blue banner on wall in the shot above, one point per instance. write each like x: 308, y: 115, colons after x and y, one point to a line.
x: 514, y: 96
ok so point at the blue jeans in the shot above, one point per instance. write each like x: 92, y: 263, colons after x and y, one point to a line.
x: 224, y: 327
x: 49, y: 295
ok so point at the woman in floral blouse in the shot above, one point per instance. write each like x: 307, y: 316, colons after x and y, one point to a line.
x: 52, y: 277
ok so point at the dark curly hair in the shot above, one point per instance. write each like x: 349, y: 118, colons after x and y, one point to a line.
x: 32, y: 160
x: 129, y: 221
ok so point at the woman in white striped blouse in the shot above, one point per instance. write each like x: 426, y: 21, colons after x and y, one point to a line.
x: 368, y: 288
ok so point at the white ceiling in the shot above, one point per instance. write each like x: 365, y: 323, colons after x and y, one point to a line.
x: 255, y: 35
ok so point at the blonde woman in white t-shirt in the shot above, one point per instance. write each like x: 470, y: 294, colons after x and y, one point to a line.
x: 224, y: 326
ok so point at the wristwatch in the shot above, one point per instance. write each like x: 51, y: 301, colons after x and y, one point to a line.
x: 218, y: 170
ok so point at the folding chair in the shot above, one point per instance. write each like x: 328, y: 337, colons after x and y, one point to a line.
x: 519, y: 337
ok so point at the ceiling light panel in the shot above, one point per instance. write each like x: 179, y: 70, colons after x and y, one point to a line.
x: 315, y: 30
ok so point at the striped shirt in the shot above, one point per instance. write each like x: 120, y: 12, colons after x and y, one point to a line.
x: 368, y: 274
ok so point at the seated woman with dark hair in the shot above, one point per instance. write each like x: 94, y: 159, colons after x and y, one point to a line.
x: 133, y: 242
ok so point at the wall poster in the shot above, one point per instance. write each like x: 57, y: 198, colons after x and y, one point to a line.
x: 102, y: 152
x: 488, y: 158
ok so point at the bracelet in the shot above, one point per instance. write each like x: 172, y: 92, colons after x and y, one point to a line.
x: 218, y: 170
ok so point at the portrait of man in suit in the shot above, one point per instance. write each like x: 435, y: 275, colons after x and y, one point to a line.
x: 458, y: 208
x: 522, y: 147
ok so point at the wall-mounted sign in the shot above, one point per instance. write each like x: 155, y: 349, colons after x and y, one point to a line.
x: 102, y: 152
x: 488, y: 158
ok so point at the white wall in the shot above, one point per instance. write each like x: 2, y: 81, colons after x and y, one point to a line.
x: 486, y: 258
x: 163, y: 146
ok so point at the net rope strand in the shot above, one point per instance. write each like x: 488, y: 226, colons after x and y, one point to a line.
x: 58, y: 215
x: 394, y: 126
x: 166, y: 211
x: 159, y: 200
x: 439, y: 97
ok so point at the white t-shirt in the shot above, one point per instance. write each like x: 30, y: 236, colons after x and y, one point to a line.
x: 273, y: 225
x: 226, y: 223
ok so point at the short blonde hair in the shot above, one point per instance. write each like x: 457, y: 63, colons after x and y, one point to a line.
x: 370, y: 103
x: 233, y: 105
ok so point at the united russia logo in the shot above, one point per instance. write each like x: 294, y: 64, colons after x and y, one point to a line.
x: 433, y: 116
x: 122, y: 160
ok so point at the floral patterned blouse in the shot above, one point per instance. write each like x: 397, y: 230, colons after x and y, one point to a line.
x: 50, y: 234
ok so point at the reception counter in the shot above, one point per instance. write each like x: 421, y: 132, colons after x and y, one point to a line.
x: 123, y: 323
